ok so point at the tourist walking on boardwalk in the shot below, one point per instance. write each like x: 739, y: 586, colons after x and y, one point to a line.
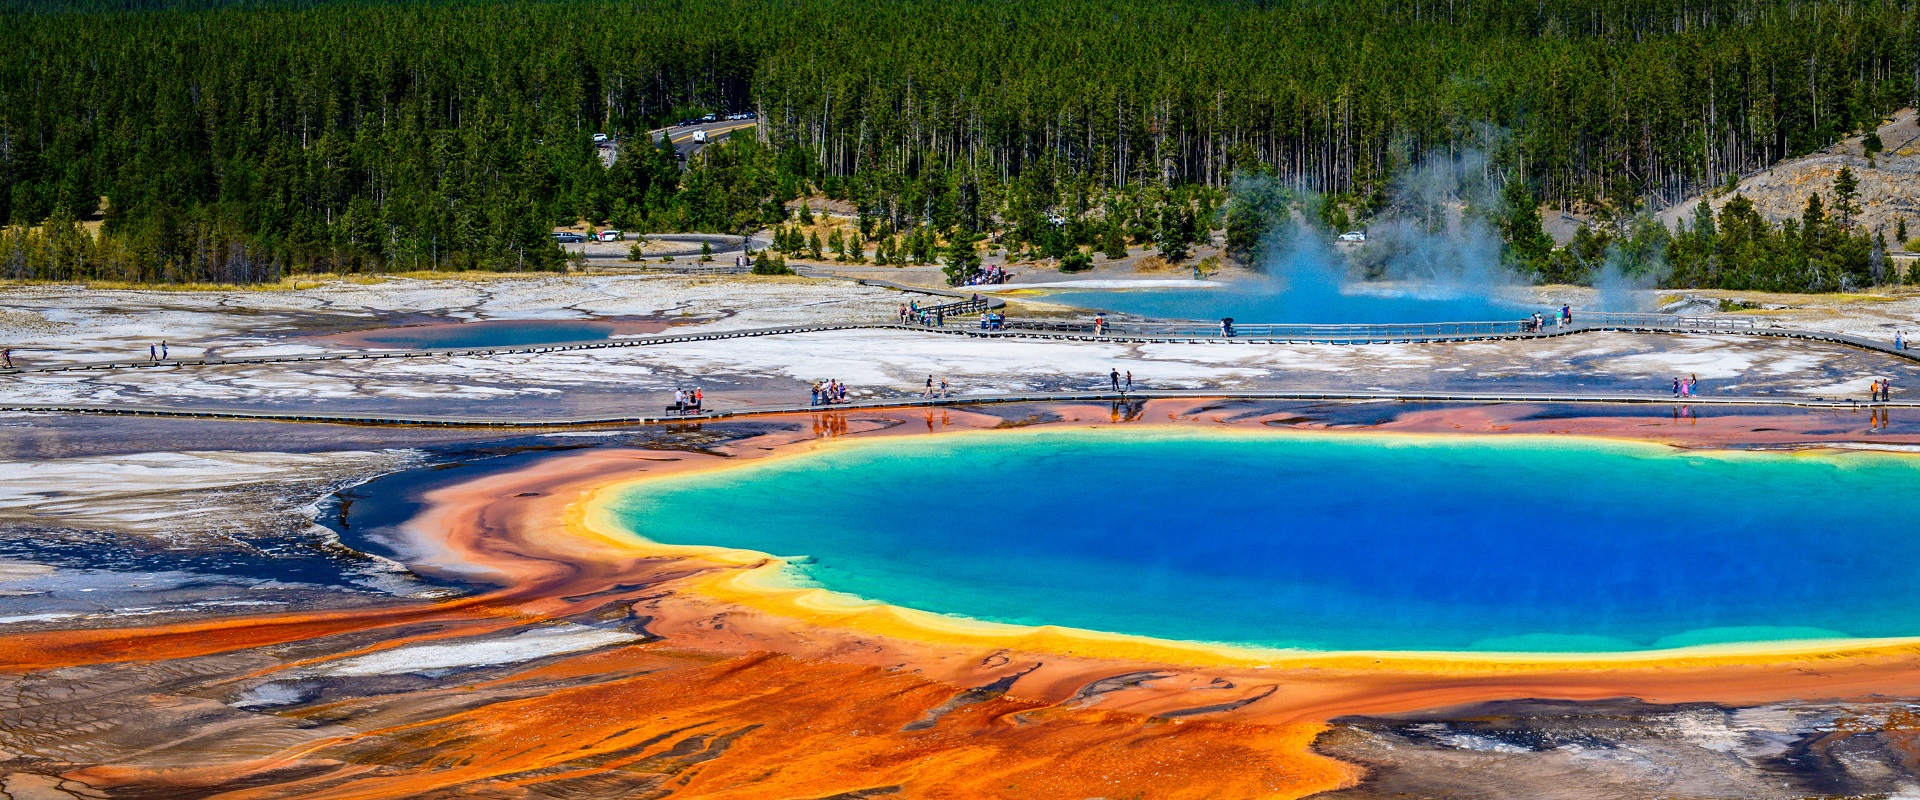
x: 944, y: 391
x: 1676, y: 386
x: 153, y: 352
x: 679, y: 401
x: 7, y: 356
x: 699, y: 398
x: 1566, y: 315
x: 163, y: 350
x: 1899, y: 342
x: 1114, y: 378
x: 1129, y: 380
x: 1099, y: 324
x: 929, y: 391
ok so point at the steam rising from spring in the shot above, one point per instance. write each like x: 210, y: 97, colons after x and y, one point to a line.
x: 1433, y: 256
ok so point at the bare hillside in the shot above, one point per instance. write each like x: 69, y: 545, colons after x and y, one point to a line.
x: 1889, y: 181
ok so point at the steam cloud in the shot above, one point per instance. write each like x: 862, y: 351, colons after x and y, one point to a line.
x: 1433, y: 256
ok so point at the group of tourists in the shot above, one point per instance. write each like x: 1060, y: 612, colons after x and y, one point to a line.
x: 945, y: 389
x: 987, y: 276
x: 990, y: 321
x: 1899, y: 340
x: 1687, y: 386
x: 687, y: 401
x: 1539, y: 322
x: 1882, y: 391
x: 828, y: 392
x: 157, y: 352
x: 931, y: 316
x: 1120, y: 383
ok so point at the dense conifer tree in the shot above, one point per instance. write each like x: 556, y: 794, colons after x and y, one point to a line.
x: 241, y: 141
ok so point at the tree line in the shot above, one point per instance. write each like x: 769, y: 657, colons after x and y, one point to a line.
x: 218, y: 141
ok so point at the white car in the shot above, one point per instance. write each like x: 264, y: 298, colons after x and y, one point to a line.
x: 609, y: 236
x: 1354, y: 236
x: 700, y: 136
x: 599, y: 137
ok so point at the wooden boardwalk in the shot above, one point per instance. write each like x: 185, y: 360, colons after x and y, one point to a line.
x: 1018, y: 330
x: 522, y: 421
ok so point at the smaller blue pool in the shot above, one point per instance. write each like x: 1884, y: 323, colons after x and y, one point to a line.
x: 1260, y: 304
x: 503, y: 333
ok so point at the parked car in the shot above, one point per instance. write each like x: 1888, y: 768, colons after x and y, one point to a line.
x: 600, y: 137
x: 609, y: 236
x: 568, y: 237
x: 1354, y: 236
x: 710, y: 118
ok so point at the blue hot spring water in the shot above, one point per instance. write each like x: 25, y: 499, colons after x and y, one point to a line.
x: 1254, y: 303
x: 504, y: 333
x: 1331, y: 542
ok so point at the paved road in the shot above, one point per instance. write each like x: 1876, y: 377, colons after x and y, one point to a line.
x: 682, y: 137
x: 724, y: 247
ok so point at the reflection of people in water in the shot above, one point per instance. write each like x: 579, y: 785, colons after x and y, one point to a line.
x: 830, y: 424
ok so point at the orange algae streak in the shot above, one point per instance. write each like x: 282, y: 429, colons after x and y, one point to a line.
x: 51, y: 649
x: 772, y: 726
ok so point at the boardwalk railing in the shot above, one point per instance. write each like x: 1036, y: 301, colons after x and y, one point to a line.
x: 698, y: 269
x: 949, y: 314
x: 1601, y: 319
x: 958, y: 307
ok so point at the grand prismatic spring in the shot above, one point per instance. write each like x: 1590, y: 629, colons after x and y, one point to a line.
x: 1329, y: 542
